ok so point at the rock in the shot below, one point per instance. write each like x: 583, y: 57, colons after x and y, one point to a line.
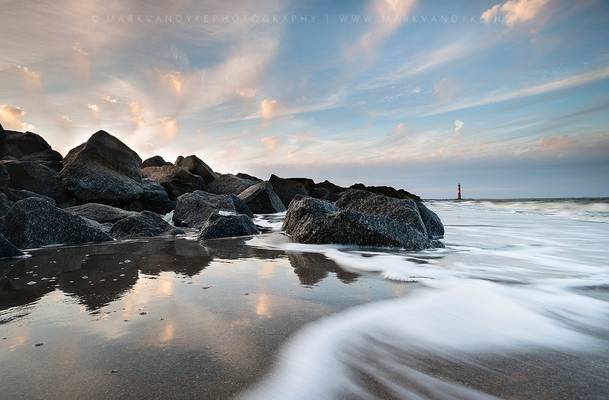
x: 316, y: 221
x: 154, y: 198
x: 248, y: 177
x: 34, y: 222
x: 287, y: 189
x: 387, y: 191
x: 175, y: 180
x: 307, y: 182
x: 5, y: 178
x: 103, y: 170
x: 144, y: 224
x: 229, y: 184
x: 101, y: 213
x: 36, y: 177
x: 5, y: 205
x: 193, y: 209
x: 222, y: 226
x: 156, y: 161
x: 404, y: 211
x: 3, y: 142
x: 29, y: 146
x: 195, y: 166
x: 262, y: 199
x: 7, y: 249
x: 326, y: 190
x: 21, y: 194
x: 433, y: 223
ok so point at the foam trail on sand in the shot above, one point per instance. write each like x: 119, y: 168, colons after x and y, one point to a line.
x: 506, y: 284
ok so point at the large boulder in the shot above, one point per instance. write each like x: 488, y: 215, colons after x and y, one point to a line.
x: 193, y: 209
x: 317, y: 221
x: 28, y: 146
x: 262, y: 199
x: 154, y: 198
x: 404, y: 211
x: 287, y: 189
x: 222, y: 226
x: 3, y: 142
x: 7, y: 249
x: 36, y: 177
x: 196, y: 166
x: 386, y: 191
x: 229, y: 184
x: 103, y: 170
x: 175, y: 180
x: 155, y: 161
x: 144, y: 224
x: 34, y: 222
x: 433, y: 223
x: 101, y: 213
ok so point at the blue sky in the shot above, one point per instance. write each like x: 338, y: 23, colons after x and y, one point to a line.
x: 510, y: 98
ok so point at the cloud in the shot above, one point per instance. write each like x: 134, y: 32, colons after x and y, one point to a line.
x: 388, y: 15
x: 501, y: 96
x: 267, y: 108
x: 458, y: 127
x: 109, y: 99
x: 247, y: 93
x: 174, y: 81
x: 514, y: 12
x: 445, y: 89
x: 416, y: 90
x: 33, y: 79
x: 94, y: 109
x: 12, y: 118
x: 270, y: 142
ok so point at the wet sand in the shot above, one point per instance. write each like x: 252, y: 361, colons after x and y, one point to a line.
x: 160, y: 319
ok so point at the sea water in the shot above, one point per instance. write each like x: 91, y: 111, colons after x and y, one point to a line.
x: 517, y: 281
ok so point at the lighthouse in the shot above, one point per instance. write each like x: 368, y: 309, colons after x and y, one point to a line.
x: 459, y: 191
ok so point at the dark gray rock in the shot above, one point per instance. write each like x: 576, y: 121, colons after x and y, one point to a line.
x: 28, y: 146
x: 34, y: 222
x: 222, y: 226
x: 433, y: 223
x: 326, y: 190
x: 3, y: 142
x: 155, y: 161
x: 229, y: 184
x: 386, y: 191
x: 21, y: 194
x: 101, y: 213
x: 154, y: 198
x: 404, y: 211
x: 316, y: 221
x: 287, y: 189
x: 175, y: 180
x: 262, y: 199
x: 144, y: 224
x: 103, y: 170
x: 7, y: 249
x: 193, y: 209
x: 248, y: 177
x: 196, y: 166
x: 5, y: 205
x: 36, y: 177
x: 5, y: 178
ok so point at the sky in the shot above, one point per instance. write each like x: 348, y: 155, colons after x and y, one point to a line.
x: 508, y: 98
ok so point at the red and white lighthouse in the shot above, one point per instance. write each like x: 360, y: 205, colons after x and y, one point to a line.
x: 459, y: 191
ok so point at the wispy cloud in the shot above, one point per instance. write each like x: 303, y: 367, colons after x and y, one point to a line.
x: 12, y: 118
x: 501, y: 96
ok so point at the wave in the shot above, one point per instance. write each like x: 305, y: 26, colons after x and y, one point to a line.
x: 506, y: 284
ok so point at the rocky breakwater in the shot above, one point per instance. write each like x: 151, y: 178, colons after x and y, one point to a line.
x: 102, y: 191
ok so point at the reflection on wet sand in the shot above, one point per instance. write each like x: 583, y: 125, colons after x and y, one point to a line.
x: 194, y: 314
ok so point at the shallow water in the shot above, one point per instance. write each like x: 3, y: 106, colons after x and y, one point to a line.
x: 516, y: 306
